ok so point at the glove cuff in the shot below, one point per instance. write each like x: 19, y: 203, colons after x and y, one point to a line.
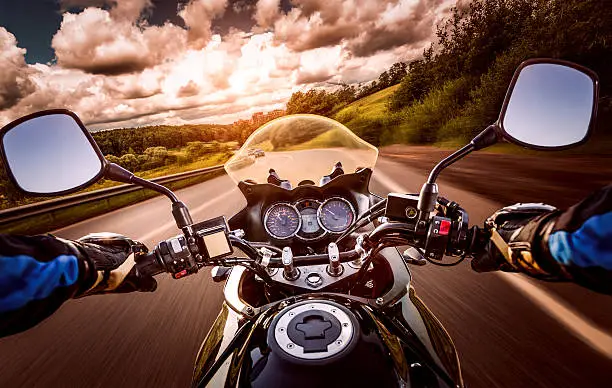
x: 530, y: 242
x: 87, y: 272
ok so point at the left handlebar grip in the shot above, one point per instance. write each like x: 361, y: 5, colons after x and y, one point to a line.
x: 149, y: 264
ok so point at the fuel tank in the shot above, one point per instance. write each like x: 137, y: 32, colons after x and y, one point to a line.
x: 328, y: 340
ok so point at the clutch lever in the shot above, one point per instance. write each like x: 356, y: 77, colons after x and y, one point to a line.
x: 413, y: 256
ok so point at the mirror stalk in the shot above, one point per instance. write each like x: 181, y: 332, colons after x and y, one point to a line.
x: 179, y: 210
x: 429, y: 192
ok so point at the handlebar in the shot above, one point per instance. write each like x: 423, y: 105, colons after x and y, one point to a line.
x: 148, y: 264
x: 446, y: 233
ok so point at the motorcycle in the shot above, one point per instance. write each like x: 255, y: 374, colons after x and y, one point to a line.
x: 317, y: 291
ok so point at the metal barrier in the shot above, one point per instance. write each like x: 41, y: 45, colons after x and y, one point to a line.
x: 22, y: 212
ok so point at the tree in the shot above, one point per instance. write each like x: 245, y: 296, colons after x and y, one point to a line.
x: 313, y: 101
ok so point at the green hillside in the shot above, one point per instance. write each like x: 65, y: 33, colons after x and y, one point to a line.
x: 368, y: 116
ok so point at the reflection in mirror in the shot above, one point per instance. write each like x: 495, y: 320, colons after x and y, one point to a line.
x: 551, y: 106
x: 50, y: 154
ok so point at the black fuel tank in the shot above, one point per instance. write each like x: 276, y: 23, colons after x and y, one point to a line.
x: 320, y: 343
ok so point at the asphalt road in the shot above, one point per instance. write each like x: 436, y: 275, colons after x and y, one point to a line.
x: 506, y: 337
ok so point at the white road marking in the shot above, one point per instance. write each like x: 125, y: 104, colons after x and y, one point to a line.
x: 586, y: 330
x: 168, y: 225
x: 580, y: 326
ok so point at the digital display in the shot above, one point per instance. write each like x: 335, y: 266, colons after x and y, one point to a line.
x: 309, y: 221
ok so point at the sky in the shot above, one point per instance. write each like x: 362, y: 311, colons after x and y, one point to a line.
x: 127, y: 63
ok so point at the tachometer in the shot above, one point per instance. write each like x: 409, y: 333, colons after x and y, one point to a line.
x: 310, y: 229
x: 335, y: 215
x: 282, y: 221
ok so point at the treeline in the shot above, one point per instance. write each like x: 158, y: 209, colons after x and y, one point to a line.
x: 156, y: 157
x: 148, y: 148
x: 326, y: 102
x: 123, y: 141
x: 456, y: 89
x: 242, y: 129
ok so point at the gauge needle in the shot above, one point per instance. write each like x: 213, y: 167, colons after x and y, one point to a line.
x: 334, y: 216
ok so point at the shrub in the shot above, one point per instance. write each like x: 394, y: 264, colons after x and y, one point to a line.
x: 130, y: 162
x: 422, y: 121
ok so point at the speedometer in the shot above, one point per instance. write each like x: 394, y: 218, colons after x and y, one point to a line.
x: 336, y: 215
x: 282, y: 221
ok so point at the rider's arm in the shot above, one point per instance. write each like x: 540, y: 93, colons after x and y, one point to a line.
x: 577, y: 243
x: 573, y: 245
x: 37, y: 275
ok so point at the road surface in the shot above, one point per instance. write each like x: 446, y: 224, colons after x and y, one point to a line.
x: 507, y: 334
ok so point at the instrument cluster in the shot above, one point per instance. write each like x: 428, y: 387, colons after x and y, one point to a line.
x: 308, y: 219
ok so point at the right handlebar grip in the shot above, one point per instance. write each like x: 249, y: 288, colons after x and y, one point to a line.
x: 149, y: 264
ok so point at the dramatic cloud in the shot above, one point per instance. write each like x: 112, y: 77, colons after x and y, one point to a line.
x: 267, y: 11
x: 96, y: 42
x: 367, y: 27
x: 129, y: 9
x: 114, y: 68
x: 15, y: 82
x: 198, y: 16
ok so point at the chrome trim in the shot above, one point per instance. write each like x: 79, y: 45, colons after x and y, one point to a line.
x: 265, y: 221
x: 339, y: 199
x: 339, y: 344
x: 231, y: 293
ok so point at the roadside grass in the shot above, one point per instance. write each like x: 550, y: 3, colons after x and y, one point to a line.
x: 370, y: 119
x: 208, y: 160
x: 54, y: 220
x: 371, y: 107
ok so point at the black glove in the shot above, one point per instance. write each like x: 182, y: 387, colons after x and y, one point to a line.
x: 111, y: 260
x: 519, y: 226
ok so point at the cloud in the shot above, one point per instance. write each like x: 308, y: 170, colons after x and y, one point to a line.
x: 406, y: 22
x: 15, y: 82
x: 129, y: 9
x: 121, y: 9
x: 366, y: 27
x: 113, y: 42
x: 198, y: 16
x: 96, y: 42
x: 114, y: 69
x: 266, y: 12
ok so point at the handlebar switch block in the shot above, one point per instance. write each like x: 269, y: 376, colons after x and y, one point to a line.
x: 437, y: 237
x: 175, y: 254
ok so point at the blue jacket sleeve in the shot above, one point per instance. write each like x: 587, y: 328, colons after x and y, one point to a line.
x: 579, y: 243
x: 37, y: 274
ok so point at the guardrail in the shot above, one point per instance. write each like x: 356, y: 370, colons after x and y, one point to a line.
x: 23, y: 212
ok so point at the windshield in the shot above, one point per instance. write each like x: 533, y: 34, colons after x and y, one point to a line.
x: 298, y: 148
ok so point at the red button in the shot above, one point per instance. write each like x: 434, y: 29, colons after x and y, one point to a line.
x: 181, y: 274
x: 445, y: 227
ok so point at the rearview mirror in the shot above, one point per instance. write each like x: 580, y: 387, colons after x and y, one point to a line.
x: 550, y: 104
x: 50, y: 153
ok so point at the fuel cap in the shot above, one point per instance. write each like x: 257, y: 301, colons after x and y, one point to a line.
x: 314, y: 330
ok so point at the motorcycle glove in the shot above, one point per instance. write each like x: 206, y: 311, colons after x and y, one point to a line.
x: 111, y: 260
x: 39, y: 273
x: 516, y: 231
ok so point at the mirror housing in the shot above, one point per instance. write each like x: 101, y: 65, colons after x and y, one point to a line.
x: 550, y: 104
x: 60, y: 159
x: 557, y: 96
